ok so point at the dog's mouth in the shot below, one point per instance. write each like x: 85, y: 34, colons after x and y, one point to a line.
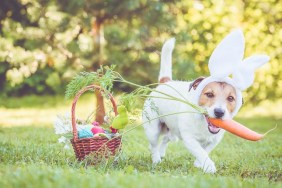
x: 212, y: 128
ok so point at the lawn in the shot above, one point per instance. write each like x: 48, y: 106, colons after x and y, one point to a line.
x: 30, y: 155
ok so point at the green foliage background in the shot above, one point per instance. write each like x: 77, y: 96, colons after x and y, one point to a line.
x: 43, y: 44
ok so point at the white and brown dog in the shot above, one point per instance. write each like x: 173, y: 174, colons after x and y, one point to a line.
x: 219, y: 94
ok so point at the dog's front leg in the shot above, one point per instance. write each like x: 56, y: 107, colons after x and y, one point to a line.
x: 202, y: 159
x: 213, y: 143
x: 209, y: 147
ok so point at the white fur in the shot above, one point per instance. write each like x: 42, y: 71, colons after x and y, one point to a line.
x: 166, y: 56
x: 190, y: 127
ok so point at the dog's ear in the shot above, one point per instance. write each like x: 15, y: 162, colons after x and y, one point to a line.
x: 195, y: 83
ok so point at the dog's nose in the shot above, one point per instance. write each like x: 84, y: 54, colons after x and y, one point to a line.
x: 219, y: 112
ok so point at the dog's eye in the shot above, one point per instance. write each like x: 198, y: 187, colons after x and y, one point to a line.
x: 209, y: 95
x: 230, y: 98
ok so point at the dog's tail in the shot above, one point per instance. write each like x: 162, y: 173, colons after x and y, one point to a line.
x: 166, y: 61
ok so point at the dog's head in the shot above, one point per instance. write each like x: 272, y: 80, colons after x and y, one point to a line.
x: 220, y: 94
x: 219, y: 99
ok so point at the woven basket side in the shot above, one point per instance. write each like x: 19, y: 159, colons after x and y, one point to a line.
x: 98, y: 146
x: 101, y: 146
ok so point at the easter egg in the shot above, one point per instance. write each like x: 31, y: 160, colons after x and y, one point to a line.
x: 96, y: 130
x: 84, y: 133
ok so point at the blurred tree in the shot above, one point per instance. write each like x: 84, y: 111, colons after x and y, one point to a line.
x: 262, y: 23
x: 67, y: 36
x: 203, y: 24
x: 45, y: 43
x: 31, y: 49
x: 110, y: 12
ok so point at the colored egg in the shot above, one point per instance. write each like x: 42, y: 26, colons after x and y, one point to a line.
x: 96, y: 130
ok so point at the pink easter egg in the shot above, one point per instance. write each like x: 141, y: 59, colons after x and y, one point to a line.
x: 97, y: 129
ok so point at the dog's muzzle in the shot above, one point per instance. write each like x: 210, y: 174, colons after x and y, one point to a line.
x: 212, y: 128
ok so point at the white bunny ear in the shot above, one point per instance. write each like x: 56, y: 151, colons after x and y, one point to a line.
x: 255, y: 61
x: 227, y: 55
x: 245, y: 73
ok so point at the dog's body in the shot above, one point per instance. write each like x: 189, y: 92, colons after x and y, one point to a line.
x: 176, y: 120
x: 219, y: 94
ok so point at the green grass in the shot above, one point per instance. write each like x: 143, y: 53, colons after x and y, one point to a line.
x: 30, y: 155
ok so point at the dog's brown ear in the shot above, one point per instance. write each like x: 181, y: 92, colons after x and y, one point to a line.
x: 196, y: 82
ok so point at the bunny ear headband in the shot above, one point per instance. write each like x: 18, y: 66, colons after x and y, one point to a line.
x: 226, y: 60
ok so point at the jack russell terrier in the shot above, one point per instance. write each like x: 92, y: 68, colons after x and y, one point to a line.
x: 219, y: 95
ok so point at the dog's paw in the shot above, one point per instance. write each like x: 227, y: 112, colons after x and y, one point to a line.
x: 197, y: 164
x: 207, y: 166
x: 156, y: 159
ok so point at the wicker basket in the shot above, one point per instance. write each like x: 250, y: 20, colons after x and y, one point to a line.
x: 96, y: 146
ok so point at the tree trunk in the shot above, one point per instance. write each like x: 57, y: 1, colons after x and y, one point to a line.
x: 99, y: 40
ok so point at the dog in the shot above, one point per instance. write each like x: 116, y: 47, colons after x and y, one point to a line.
x: 167, y: 115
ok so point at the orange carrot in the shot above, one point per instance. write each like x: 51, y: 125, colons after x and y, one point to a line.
x: 237, y: 129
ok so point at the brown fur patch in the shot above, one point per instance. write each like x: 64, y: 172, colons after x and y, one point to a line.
x: 195, y: 83
x: 164, y: 128
x: 218, y: 91
x: 164, y: 80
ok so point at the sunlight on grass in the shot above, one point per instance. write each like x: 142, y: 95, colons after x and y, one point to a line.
x: 264, y: 109
x: 43, y: 115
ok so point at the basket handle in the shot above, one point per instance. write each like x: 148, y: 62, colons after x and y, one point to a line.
x: 73, y: 121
